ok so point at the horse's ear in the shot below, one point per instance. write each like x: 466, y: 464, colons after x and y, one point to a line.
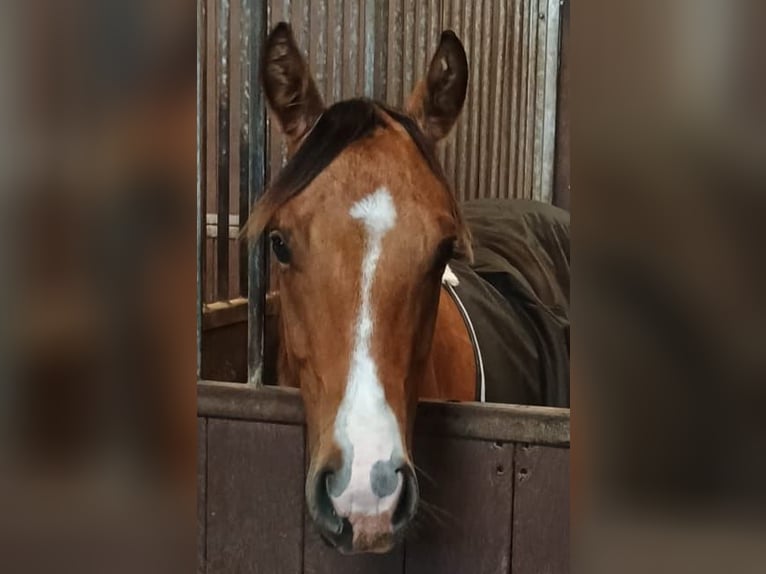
x: 289, y: 87
x: 437, y: 100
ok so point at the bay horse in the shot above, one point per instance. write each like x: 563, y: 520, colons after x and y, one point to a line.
x: 362, y: 224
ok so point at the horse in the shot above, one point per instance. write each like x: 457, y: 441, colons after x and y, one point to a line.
x: 369, y: 246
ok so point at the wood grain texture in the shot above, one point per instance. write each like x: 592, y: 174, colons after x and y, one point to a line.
x: 254, y: 498
x: 465, y: 518
x: 541, y: 511
x: 224, y: 353
x: 486, y: 421
x: 201, y: 493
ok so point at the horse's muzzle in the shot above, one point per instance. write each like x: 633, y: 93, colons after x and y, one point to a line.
x: 351, y: 529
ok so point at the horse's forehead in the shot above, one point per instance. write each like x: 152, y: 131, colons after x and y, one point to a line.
x: 322, y: 213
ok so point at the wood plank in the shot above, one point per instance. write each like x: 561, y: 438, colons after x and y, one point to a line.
x: 494, y: 422
x: 491, y: 422
x: 254, y: 497
x: 201, y: 493
x: 465, y: 513
x: 541, y: 511
x: 236, y: 401
x: 224, y: 353
x: 223, y: 313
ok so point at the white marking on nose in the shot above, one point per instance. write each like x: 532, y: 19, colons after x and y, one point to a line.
x: 365, y: 426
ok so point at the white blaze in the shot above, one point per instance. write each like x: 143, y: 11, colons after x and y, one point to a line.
x: 365, y: 426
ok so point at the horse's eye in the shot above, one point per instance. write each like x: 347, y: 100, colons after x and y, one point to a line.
x: 279, y: 247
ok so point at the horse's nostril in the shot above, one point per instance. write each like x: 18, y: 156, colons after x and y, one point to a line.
x: 408, y: 499
x: 320, y: 505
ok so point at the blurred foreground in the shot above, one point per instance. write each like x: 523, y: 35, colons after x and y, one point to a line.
x: 97, y: 400
x: 669, y: 370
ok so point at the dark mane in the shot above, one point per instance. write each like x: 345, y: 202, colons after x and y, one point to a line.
x: 337, y: 128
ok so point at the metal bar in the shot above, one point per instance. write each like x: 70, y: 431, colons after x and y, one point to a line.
x: 539, y: 117
x: 201, y: 165
x: 394, y: 52
x: 552, y: 50
x: 244, y: 136
x: 498, y: 100
x: 380, y: 49
x: 529, y: 130
x: 451, y: 19
x: 510, y: 161
x: 463, y: 128
x: 222, y: 263
x: 334, y: 46
x: 409, y: 39
x: 482, y: 421
x: 368, y: 39
x: 257, y: 279
x: 471, y: 180
x: 485, y: 129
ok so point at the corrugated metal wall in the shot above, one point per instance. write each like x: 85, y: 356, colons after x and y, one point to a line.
x: 503, y: 143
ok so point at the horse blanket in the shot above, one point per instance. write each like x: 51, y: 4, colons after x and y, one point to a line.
x: 514, y: 297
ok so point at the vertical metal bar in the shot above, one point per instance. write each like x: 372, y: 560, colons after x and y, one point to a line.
x: 201, y: 165
x: 464, y: 125
x: 529, y: 129
x: 451, y: 20
x: 222, y: 264
x: 499, y: 97
x: 471, y: 181
x: 394, y: 53
x: 421, y: 44
x: 552, y: 49
x: 334, y: 39
x: 409, y: 43
x: 485, y: 129
x: 257, y: 279
x: 369, y: 39
x: 381, y: 58
x: 244, y: 136
x: 349, y: 16
x: 507, y: 88
x: 523, y: 110
x: 285, y: 10
x: 539, y: 63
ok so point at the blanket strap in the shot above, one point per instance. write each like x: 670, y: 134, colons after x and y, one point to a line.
x: 480, y: 381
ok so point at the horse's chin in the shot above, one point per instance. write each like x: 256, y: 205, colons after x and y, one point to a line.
x: 361, y: 542
x: 377, y: 547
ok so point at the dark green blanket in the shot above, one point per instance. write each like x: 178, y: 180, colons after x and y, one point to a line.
x: 516, y: 293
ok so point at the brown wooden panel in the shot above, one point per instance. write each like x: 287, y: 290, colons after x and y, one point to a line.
x: 201, y: 492
x: 464, y: 521
x: 541, y: 511
x: 319, y: 558
x: 484, y: 421
x: 254, y: 497
x: 224, y: 353
x: 222, y: 313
